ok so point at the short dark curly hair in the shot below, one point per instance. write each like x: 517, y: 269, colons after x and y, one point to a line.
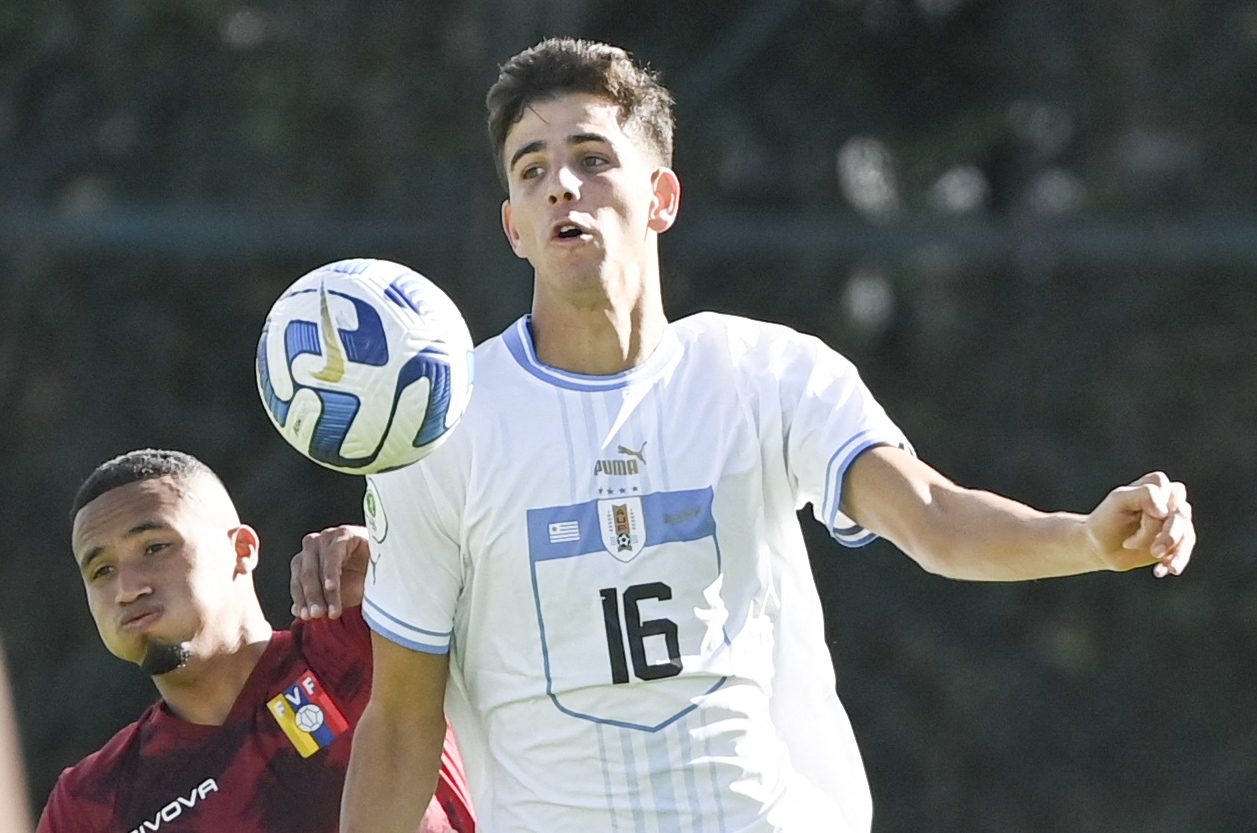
x: 134, y: 466
x: 565, y: 65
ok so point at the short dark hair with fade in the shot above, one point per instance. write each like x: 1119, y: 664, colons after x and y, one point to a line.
x: 134, y: 466
x: 565, y: 65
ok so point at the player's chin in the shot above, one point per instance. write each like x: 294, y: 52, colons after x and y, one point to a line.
x: 165, y: 657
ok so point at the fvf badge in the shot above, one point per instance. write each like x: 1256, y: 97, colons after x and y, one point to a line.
x: 307, y: 715
x: 623, y: 527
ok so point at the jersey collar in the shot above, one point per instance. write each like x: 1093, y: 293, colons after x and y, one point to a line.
x: 518, y: 339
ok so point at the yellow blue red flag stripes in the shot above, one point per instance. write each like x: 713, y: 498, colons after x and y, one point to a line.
x: 307, y: 715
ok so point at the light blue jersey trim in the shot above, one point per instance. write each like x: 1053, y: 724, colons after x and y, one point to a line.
x: 570, y: 531
x: 852, y: 535
x: 408, y: 636
x: 518, y: 340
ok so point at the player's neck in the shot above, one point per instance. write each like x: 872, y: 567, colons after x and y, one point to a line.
x: 205, y: 690
x: 597, y: 341
x: 603, y: 328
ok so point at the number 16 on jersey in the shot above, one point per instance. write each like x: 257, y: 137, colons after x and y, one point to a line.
x: 626, y: 592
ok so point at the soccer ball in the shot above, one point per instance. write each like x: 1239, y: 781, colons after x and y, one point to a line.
x: 364, y: 366
x: 309, y: 718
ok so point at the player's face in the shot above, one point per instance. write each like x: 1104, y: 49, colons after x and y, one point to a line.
x: 586, y: 198
x: 160, y: 563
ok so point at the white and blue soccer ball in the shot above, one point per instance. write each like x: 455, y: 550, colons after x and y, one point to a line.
x: 364, y: 366
x: 309, y: 718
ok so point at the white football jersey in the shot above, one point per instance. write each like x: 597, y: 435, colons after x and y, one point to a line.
x: 615, y: 566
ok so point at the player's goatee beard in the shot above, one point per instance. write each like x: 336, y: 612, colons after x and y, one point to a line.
x: 162, y: 658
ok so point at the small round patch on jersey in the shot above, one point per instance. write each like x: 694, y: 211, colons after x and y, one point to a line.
x: 373, y: 511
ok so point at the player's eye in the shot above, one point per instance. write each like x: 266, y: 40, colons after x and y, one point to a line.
x: 594, y: 161
x: 100, y: 572
x: 530, y: 172
x: 154, y: 547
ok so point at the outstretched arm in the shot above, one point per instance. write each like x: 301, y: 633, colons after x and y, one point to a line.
x: 972, y: 534
x: 329, y: 573
x: 396, y: 756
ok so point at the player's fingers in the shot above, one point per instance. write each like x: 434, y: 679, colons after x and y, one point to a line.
x: 1177, y: 520
x: 296, y: 587
x: 1178, y: 501
x: 333, y: 556
x: 1145, y: 496
x: 1153, y: 478
x: 1175, y: 543
x: 1175, y: 561
x: 309, y: 569
x: 1154, y: 492
x: 1176, y: 537
x: 1144, y: 535
x: 1177, y: 517
x: 1183, y: 551
x: 1150, y: 499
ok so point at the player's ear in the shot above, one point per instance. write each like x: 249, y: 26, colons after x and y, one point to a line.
x: 666, y: 199
x: 247, y: 546
x: 512, y: 235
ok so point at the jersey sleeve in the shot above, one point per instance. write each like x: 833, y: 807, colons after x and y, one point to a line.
x: 416, y: 571
x: 829, y: 418
x: 64, y: 813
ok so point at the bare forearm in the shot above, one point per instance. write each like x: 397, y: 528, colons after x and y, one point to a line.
x: 981, y: 536
x: 971, y: 534
x: 963, y: 533
x: 392, y: 774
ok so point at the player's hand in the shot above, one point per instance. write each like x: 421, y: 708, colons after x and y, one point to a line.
x: 330, y: 572
x: 1147, y: 522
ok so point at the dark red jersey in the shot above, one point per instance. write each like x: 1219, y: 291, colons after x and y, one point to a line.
x: 277, y: 765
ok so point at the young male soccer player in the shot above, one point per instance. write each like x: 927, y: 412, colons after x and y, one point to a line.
x: 604, y: 559
x: 254, y: 726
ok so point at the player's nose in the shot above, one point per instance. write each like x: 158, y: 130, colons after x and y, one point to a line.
x: 132, y: 584
x: 564, y: 185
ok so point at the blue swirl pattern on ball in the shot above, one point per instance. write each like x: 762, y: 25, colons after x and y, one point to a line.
x: 420, y: 314
x: 435, y: 365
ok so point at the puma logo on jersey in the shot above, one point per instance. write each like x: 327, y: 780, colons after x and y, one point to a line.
x: 622, y: 467
x: 624, y: 449
x: 175, y: 808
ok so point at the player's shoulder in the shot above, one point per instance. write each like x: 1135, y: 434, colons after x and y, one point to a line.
x: 496, y: 364
x: 742, y: 339
x: 708, y: 325
x: 345, y: 640
x: 99, y: 768
x: 497, y: 348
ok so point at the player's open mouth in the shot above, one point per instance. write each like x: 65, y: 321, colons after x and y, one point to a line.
x: 568, y: 231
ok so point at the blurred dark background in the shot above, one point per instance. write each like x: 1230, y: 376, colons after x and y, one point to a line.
x: 1030, y: 224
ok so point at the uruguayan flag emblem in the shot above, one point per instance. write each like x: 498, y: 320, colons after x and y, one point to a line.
x: 564, y: 531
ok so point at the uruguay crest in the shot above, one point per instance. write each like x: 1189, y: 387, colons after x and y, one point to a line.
x: 623, y: 526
